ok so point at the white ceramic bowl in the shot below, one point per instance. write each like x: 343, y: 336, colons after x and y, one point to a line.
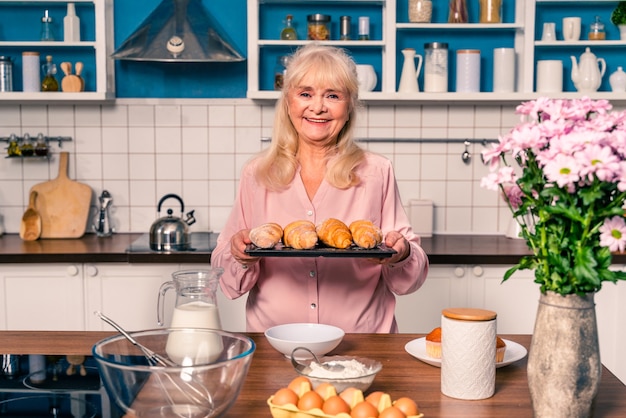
x: 319, y: 338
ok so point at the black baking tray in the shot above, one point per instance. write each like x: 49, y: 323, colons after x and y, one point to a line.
x: 320, y: 250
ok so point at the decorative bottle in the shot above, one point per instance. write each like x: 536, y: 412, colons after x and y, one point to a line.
x: 47, y: 34
x: 49, y: 82
x: 71, y: 25
x: 289, y: 32
x: 457, y: 11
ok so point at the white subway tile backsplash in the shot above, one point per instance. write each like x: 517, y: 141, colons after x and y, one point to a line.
x: 194, y: 116
x: 117, y: 115
x: 140, y: 150
x: 168, y: 140
x: 141, y: 115
x: 222, y: 115
x: 167, y: 115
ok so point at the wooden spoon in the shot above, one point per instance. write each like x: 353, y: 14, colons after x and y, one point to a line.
x: 79, y: 69
x: 30, y: 228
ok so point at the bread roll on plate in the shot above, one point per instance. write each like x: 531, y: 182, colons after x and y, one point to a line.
x: 266, y: 235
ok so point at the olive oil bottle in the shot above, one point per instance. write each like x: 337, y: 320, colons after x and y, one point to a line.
x: 289, y: 32
x: 49, y: 82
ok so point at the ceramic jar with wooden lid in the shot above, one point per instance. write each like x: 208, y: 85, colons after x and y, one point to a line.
x: 468, y: 353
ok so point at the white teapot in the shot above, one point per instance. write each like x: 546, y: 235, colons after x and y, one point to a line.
x: 587, y: 73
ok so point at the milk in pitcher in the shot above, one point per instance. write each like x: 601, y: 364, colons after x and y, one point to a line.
x: 188, y: 348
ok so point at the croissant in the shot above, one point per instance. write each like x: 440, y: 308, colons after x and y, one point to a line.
x: 266, y: 235
x: 334, y: 233
x: 365, y: 234
x: 300, y: 235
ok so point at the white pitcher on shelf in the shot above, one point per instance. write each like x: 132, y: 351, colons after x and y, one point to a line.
x: 588, y: 72
x: 410, y: 73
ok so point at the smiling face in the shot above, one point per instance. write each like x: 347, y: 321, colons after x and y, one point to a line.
x: 318, y: 111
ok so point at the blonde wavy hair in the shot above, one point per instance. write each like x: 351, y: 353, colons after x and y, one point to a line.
x: 278, y: 164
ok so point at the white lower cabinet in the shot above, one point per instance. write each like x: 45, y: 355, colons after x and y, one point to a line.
x: 42, y: 297
x: 64, y: 297
x: 463, y: 286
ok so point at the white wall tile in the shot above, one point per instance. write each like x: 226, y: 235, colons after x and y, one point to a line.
x: 141, y: 150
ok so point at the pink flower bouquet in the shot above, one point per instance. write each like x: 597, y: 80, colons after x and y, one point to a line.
x: 571, y: 177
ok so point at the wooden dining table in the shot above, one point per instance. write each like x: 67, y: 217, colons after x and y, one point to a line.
x: 401, y: 375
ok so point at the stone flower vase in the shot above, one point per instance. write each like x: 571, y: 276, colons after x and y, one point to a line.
x: 564, y: 365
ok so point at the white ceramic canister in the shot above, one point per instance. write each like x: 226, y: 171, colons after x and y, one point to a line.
x: 618, y: 80
x: 436, y: 67
x: 31, y: 77
x: 468, y: 70
x: 503, y: 70
x: 468, y: 353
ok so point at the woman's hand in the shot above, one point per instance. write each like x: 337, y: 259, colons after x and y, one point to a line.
x: 238, y: 244
x: 396, y: 240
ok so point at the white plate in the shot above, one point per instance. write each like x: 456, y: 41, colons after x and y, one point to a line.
x: 417, y: 348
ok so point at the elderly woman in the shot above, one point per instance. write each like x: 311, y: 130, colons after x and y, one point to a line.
x: 313, y: 170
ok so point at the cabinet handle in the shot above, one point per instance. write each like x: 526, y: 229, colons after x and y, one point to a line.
x: 92, y: 271
x: 72, y: 270
x: 459, y: 272
x: 478, y: 271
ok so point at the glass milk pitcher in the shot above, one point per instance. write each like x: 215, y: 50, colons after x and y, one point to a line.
x: 195, y: 307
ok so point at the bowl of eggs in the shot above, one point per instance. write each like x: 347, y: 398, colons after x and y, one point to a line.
x: 340, y: 371
x: 320, y: 339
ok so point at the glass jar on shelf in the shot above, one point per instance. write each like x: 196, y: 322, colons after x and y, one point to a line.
x: 596, y: 30
x: 420, y: 11
x: 318, y: 27
x: 490, y: 11
x: 457, y: 11
x: 280, y: 70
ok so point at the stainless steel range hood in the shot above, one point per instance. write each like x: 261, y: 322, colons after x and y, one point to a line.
x: 178, y: 31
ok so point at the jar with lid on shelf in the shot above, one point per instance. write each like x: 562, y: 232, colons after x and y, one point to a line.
x: 318, y: 27
x: 596, y: 30
x: 280, y: 70
x: 490, y: 11
x: 420, y: 11
x: 457, y: 11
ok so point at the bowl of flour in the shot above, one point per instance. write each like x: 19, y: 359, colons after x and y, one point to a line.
x: 344, y: 372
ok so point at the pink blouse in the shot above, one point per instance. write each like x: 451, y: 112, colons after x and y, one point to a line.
x: 351, y: 293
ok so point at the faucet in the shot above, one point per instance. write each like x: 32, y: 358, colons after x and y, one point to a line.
x: 103, y: 226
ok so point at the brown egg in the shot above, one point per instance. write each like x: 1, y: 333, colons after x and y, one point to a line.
x: 310, y: 400
x: 326, y: 390
x: 300, y: 385
x: 374, y: 397
x: 391, y: 412
x: 285, y: 396
x: 335, y: 405
x: 364, y: 410
x: 407, y: 405
x: 352, y: 396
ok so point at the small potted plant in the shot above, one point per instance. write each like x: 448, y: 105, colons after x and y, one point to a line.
x: 618, y: 18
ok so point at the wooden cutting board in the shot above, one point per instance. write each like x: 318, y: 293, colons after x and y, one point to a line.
x: 63, y: 204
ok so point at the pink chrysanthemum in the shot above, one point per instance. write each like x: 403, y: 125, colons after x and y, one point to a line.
x: 613, y: 233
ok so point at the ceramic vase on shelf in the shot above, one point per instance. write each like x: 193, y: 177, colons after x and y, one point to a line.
x: 618, y: 81
x: 564, y: 367
x: 622, y: 32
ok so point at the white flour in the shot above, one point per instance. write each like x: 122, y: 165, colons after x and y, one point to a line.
x: 352, y: 368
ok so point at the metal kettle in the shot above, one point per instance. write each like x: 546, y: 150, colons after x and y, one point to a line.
x: 170, y: 233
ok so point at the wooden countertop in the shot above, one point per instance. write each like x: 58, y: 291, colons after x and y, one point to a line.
x: 441, y: 249
x: 402, y: 375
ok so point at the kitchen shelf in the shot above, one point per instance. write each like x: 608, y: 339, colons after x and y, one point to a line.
x: 94, y: 50
x: 522, y: 21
